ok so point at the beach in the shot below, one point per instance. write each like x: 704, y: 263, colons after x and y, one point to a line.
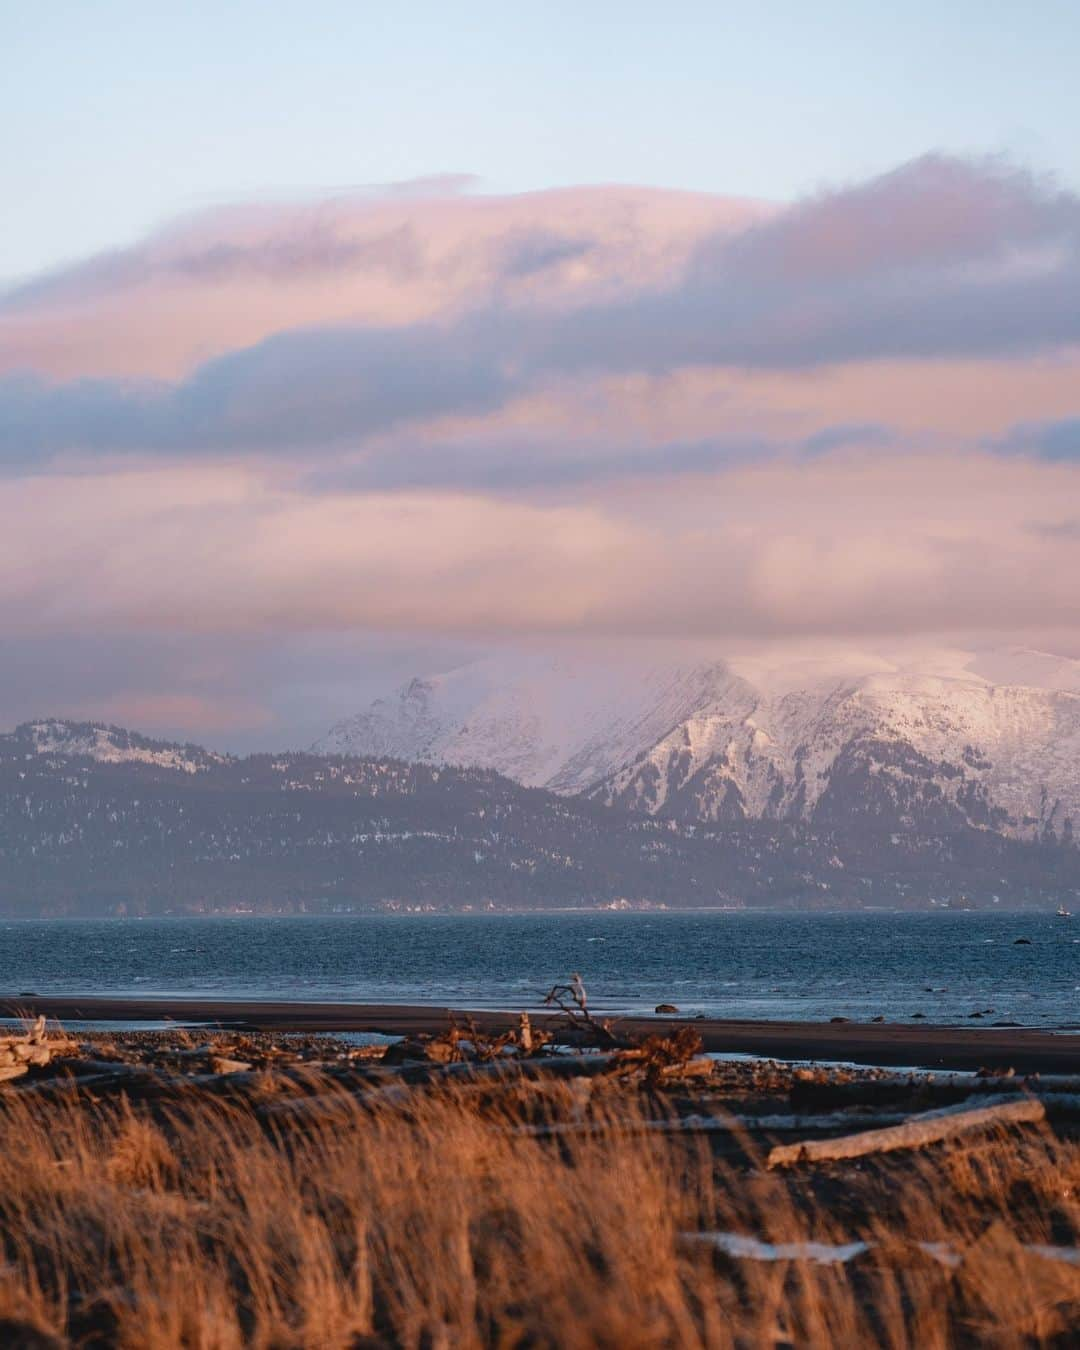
x: 257, y: 1173
x: 1029, y: 1050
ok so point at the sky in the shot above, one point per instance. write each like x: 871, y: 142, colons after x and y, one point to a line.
x: 340, y: 341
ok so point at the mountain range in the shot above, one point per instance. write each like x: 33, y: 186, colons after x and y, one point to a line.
x: 96, y: 819
x: 935, y: 740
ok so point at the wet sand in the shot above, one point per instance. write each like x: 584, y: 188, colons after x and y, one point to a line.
x: 1028, y: 1050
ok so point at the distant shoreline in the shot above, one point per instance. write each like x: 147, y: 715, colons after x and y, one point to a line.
x: 1031, y: 911
x: 1025, y: 1049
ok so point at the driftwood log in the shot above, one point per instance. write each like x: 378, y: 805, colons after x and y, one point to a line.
x: 930, y: 1128
x: 745, y: 1247
x: 31, y: 1048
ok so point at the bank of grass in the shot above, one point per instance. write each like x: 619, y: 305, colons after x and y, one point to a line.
x: 431, y: 1221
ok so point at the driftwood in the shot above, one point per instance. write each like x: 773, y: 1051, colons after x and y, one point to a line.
x: 659, y: 1059
x: 742, y: 1247
x: 33, y: 1047
x: 223, y: 1065
x: 149, y: 1082
x: 577, y: 1026
x: 930, y: 1128
x: 1056, y: 1106
x: 734, y: 1123
x: 131, y: 1079
x: 665, y: 1059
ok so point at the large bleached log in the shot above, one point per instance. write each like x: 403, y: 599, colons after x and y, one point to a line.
x: 1057, y: 1106
x: 930, y: 1128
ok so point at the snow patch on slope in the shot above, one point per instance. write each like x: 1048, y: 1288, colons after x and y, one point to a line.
x: 111, y: 745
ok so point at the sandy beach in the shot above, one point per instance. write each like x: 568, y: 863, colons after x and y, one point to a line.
x: 1027, y: 1050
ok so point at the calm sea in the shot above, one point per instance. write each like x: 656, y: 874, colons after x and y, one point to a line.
x: 751, y: 965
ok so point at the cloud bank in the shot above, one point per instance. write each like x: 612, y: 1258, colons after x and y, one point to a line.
x: 940, y: 259
x: 605, y: 411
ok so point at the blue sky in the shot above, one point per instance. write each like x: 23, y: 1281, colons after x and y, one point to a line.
x: 122, y: 113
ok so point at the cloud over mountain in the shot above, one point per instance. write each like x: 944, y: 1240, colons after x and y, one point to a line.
x: 597, y: 410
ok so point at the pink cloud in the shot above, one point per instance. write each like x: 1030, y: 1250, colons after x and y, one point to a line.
x: 366, y: 319
x: 937, y: 211
x: 594, y: 411
x: 847, y: 545
x: 232, y: 277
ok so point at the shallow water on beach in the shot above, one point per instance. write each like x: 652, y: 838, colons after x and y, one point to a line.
x: 748, y: 965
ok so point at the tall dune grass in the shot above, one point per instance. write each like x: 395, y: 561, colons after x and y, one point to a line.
x: 432, y: 1223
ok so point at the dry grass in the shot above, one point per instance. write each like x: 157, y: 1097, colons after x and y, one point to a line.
x: 430, y: 1223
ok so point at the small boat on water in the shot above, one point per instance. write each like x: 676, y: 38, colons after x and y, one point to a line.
x: 1063, y: 913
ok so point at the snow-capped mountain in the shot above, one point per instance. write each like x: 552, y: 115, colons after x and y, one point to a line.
x: 985, y: 738
x: 562, y: 721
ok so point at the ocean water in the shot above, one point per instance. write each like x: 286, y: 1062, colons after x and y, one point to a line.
x: 744, y: 965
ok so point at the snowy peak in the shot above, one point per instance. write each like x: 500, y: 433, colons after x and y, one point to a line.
x: 987, y: 738
x: 108, y: 745
x: 561, y: 720
x: 997, y: 755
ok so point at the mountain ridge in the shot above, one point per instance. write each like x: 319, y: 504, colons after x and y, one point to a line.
x: 96, y: 819
x: 717, y: 740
